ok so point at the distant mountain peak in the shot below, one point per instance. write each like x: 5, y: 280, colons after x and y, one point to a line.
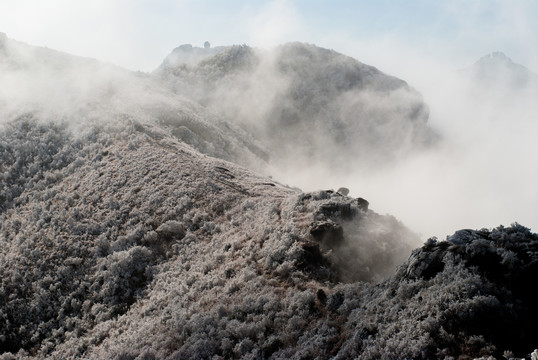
x: 498, y: 68
x: 495, y: 56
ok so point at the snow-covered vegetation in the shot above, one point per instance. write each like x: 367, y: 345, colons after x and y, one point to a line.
x: 136, y: 245
x: 130, y: 229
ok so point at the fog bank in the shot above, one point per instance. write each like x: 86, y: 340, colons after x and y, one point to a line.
x: 480, y: 174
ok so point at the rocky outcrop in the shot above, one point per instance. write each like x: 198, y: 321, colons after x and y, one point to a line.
x: 493, y: 271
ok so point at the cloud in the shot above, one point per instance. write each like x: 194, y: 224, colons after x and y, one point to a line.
x: 481, y: 174
x: 136, y: 36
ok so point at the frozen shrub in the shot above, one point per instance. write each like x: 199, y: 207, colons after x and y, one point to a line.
x: 122, y: 275
x: 31, y: 152
x: 171, y: 229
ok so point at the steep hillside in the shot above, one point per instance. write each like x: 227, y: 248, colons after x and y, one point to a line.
x: 129, y: 225
x: 126, y: 243
x: 308, y: 104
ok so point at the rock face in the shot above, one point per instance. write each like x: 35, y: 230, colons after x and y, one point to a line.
x: 308, y: 104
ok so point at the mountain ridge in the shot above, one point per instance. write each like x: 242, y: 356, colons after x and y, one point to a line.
x: 129, y: 229
x: 339, y: 98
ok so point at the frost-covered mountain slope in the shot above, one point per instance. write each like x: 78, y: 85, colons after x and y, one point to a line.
x: 126, y: 243
x: 308, y: 101
x: 55, y: 85
x: 131, y: 226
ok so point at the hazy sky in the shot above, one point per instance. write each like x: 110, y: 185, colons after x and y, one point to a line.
x: 392, y: 35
